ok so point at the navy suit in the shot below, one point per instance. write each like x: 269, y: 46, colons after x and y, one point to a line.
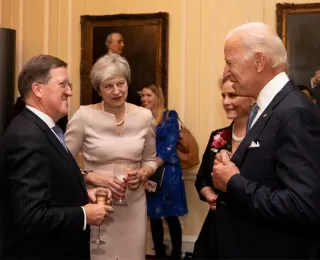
x: 272, y: 209
x: 41, y: 194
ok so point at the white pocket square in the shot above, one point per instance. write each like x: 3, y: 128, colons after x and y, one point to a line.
x: 254, y: 144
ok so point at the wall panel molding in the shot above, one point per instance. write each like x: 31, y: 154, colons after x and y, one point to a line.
x: 183, y: 54
x: 1, y: 15
x: 46, y: 27
x: 70, y: 43
x: 70, y: 40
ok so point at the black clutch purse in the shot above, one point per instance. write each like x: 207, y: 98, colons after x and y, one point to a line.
x: 157, y: 178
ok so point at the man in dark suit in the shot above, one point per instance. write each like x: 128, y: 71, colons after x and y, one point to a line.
x: 268, y: 204
x: 19, y: 105
x: 43, y: 199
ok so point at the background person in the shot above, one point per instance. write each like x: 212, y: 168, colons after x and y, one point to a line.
x: 115, y: 43
x: 170, y: 202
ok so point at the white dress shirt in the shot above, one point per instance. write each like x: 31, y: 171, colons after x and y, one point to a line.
x: 50, y: 123
x: 269, y: 91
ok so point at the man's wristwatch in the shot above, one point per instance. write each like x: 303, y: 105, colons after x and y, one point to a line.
x: 84, y: 173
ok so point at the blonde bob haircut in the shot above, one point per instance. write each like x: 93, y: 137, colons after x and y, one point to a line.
x: 160, y: 107
x: 108, y: 67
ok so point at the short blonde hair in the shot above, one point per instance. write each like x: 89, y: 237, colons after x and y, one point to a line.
x: 222, y: 80
x: 160, y: 106
x: 108, y: 67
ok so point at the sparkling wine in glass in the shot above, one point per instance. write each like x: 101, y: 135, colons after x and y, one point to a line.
x: 102, y: 198
x: 120, y: 175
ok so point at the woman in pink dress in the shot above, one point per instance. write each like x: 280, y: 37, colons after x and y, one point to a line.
x: 116, y: 137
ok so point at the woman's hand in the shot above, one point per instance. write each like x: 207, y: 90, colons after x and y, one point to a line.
x: 117, y: 187
x: 133, y: 180
x: 210, y: 196
x: 212, y: 201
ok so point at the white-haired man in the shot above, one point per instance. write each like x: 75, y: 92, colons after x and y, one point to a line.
x: 268, y: 205
x: 115, y: 43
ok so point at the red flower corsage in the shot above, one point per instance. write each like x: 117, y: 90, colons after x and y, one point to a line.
x: 220, y: 140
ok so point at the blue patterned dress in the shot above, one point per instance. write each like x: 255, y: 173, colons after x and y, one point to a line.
x: 171, y: 199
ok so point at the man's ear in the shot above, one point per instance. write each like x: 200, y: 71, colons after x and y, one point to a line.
x: 252, y: 101
x: 37, y: 90
x: 260, y: 61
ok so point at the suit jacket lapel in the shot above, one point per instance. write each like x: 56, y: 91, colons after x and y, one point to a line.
x: 80, y: 178
x: 257, y: 128
x: 56, y: 143
x: 50, y: 135
x: 251, y: 136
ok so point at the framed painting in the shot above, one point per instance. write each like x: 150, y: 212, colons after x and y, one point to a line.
x: 297, y: 26
x: 145, y: 38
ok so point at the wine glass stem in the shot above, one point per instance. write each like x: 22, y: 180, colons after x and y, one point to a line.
x: 99, y: 233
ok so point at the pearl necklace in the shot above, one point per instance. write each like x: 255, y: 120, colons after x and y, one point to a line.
x: 125, y: 112
x: 236, y: 139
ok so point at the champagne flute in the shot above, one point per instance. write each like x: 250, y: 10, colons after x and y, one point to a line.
x: 121, y: 174
x: 102, y: 198
x: 121, y: 169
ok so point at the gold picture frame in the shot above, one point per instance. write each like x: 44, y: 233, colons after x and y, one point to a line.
x: 145, y: 48
x: 297, y: 26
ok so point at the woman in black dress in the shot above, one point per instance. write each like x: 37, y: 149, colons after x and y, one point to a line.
x: 237, y: 109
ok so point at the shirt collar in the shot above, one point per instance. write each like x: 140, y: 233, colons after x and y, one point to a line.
x: 44, y: 117
x: 271, y: 90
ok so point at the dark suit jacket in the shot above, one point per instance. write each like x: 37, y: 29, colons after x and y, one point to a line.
x: 19, y: 106
x: 272, y: 209
x: 41, y: 191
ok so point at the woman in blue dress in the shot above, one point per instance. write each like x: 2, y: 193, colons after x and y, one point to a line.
x: 170, y: 202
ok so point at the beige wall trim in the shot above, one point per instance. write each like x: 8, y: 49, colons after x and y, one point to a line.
x: 70, y: 40
x: 69, y: 48
x: 1, y: 8
x: 183, y: 54
x: 58, y: 31
x: 46, y: 26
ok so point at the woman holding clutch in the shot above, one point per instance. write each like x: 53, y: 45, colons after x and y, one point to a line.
x: 170, y: 202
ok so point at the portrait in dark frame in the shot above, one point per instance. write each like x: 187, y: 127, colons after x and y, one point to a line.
x: 145, y: 47
x: 297, y: 26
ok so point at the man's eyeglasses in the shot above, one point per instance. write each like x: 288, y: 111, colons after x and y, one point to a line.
x: 63, y: 84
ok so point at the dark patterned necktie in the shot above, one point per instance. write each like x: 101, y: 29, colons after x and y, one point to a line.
x: 60, y: 135
x: 253, y: 113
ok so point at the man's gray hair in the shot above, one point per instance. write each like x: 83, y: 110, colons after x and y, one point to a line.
x: 108, y: 67
x: 259, y: 37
